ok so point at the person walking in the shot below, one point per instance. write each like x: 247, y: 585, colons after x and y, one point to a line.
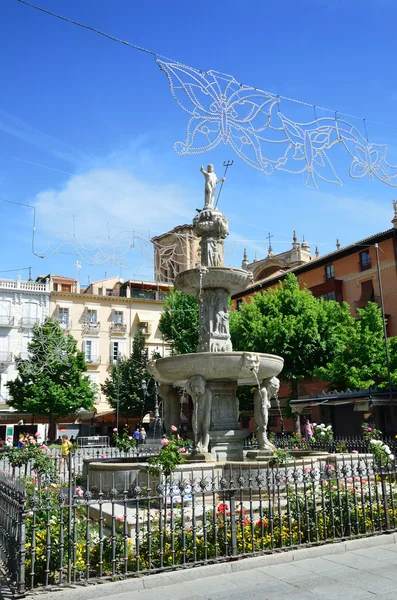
x: 65, y: 452
x: 308, y: 430
x: 137, y: 434
x: 142, y: 436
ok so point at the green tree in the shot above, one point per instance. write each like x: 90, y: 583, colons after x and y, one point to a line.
x: 123, y: 388
x: 361, y: 361
x: 51, y: 380
x: 179, y: 323
x: 292, y: 323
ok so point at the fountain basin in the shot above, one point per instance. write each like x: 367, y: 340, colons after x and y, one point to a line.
x: 227, y: 278
x: 233, y: 366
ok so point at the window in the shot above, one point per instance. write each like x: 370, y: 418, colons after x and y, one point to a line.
x: 94, y: 380
x: 88, y: 350
x: 92, y: 316
x: 328, y: 296
x: 116, y: 351
x: 118, y: 316
x: 365, y: 260
x: 55, y: 287
x: 329, y: 272
x: 66, y: 287
x: 100, y: 291
x: 63, y: 316
x: 109, y: 292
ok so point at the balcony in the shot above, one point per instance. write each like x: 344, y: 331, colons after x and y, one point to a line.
x: 90, y: 328
x: 362, y: 303
x: 28, y: 322
x: 6, y: 321
x: 364, y: 265
x: 65, y: 324
x: 120, y: 328
x: 145, y: 328
x: 5, y: 358
x: 92, y: 361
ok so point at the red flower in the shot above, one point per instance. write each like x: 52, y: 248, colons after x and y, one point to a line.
x: 259, y: 523
x: 222, y: 508
x: 247, y: 522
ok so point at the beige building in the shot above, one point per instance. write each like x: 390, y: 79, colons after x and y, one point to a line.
x: 104, y: 318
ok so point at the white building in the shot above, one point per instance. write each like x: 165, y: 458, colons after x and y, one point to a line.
x: 22, y: 304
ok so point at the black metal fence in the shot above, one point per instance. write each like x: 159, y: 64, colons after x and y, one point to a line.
x: 337, y: 444
x: 57, y: 533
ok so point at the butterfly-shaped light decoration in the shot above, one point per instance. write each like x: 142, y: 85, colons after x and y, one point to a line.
x: 222, y: 110
x: 368, y: 160
x: 308, y: 145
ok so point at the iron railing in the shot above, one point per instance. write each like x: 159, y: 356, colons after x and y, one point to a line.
x: 59, y: 533
x: 338, y: 444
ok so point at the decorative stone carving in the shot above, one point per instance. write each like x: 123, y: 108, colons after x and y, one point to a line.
x: 214, y: 321
x: 249, y: 363
x: 171, y: 406
x: 268, y: 389
x: 201, y: 395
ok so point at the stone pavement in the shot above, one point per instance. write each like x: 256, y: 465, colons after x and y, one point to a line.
x: 353, y: 570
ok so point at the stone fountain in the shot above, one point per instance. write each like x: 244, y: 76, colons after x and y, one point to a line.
x: 213, y: 374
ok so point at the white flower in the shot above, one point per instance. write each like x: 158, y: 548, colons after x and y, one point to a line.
x: 314, y: 424
x: 329, y: 427
x: 322, y: 425
x: 387, y: 450
x: 322, y: 433
x: 372, y: 441
x: 391, y: 456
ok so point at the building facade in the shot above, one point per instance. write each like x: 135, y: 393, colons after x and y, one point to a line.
x: 104, y: 319
x: 175, y: 251
x: 22, y: 305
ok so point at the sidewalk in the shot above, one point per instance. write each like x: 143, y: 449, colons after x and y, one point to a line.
x: 353, y: 570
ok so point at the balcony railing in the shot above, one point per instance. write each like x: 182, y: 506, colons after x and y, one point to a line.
x: 90, y: 328
x: 118, y: 327
x: 363, y: 303
x: 6, y: 357
x: 28, y: 322
x: 65, y: 324
x: 92, y: 360
x: 6, y: 321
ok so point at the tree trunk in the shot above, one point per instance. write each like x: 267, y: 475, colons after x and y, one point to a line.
x: 51, y: 426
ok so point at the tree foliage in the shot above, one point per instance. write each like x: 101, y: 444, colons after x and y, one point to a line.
x: 51, y: 381
x: 123, y: 388
x: 361, y: 361
x: 292, y: 323
x: 179, y: 322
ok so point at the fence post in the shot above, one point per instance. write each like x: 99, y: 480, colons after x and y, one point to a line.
x: 233, y: 521
x: 21, y: 533
x: 385, y: 500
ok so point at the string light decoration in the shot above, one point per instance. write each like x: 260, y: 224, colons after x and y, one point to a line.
x: 250, y: 120
x: 50, y: 351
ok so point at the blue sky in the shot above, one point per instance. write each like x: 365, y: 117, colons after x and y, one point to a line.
x: 87, y: 126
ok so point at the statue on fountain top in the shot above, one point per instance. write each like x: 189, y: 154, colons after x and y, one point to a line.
x: 211, y: 182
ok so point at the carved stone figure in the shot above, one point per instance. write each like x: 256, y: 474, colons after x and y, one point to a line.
x: 214, y: 254
x: 249, y: 363
x: 210, y: 185
x: 171, y: 406
x: 196, y: 386
x: 268, y: 389
x: 222, y: 322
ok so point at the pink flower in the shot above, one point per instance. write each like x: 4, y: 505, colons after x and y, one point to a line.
x: 182, y: 450
x: 114, y: 429
x: 130, y: 437
x: 79, y: 491
x: 37, y: 434
x: 102, y: 456
x: 308, y: 470
x: 354, y: 451
x: 330, y: 467
x: 165, y: 442
x: 43, y: 447
x: 173, y: 428
x: 349, y: 480
x: 120, y: 518
x: 369, y: 428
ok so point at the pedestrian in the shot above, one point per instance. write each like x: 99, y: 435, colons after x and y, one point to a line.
x: 137, y: 434
x: 142, y: 436
x: 308, y: 430
x: 65, y: 452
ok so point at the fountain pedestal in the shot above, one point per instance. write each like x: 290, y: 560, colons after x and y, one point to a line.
x: 213, y: 374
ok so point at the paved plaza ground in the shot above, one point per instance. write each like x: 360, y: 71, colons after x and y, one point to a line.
x: 353, y: 570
